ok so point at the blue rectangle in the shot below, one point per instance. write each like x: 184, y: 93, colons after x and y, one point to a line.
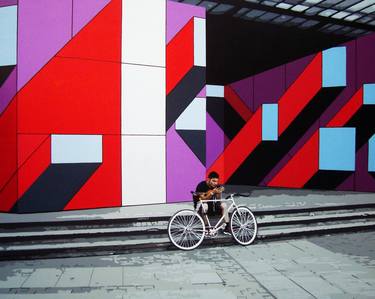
x: 8, y: 35
x: 215, y: 91
x: 337, y: 149
x: 334, y: 67
x: 270, y: 122
x: 369, y: 94
x: 371, y: 153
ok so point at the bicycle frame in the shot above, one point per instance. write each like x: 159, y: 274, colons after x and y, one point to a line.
x: 232, y: 205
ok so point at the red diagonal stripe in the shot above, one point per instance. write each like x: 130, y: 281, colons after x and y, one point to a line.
x: 301, y: 167
x: 237, y: 104
x: 349, y: 109
x: 300, y: 93
x: 180, y: 55
x: 240, y: 147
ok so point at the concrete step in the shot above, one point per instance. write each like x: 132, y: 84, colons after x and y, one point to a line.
x: 155, y: 228
x: 123, y: 244
x: 81, y: 222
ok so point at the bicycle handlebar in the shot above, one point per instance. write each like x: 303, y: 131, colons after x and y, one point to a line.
x: 229, y: 196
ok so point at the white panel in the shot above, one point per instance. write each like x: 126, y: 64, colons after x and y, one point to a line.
x: 215, y: 91
x: 143, y: 170
x: 193, y: 117
x: 143, y: 31
x: 143, y: 100
x: 76, y: 149
x: 199, y: 42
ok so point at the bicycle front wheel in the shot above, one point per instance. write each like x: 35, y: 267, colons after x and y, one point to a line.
x: 186, y: 229
x: 243, y: 226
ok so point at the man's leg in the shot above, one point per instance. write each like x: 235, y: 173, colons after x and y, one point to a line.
x: 224, y: 212
x: 203, y: 208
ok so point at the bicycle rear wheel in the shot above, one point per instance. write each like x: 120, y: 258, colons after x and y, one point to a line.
x: 243, y: 226
x: 186, y: 229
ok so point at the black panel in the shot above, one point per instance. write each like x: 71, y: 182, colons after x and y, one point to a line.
x: 362, y: 121
x: 238, y: 48
x: 327, y: 179
x: 196, y: 141
x: 55, y: 188
x: 184, y: 93
x: 4, y: 72
x: 225, y: 116
x: 266, y: 155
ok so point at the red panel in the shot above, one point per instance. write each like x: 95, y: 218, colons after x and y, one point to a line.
x: 300, y: 93
x: 101, y: 38
x: 180, y: 55
x: 346, y: 112
x: 103, y: 189
x: 238, y: 105
x: 303, y: 165
x: 72, y: 96
x: 8, y: 142
x: 27, y: 144
x: 8, y: 195
x: 34, y: 166
x: 240, y: 147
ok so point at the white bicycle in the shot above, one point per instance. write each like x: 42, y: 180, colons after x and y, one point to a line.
x: 186, y: 228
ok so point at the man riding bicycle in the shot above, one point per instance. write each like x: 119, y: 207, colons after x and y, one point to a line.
x: 208, y: 190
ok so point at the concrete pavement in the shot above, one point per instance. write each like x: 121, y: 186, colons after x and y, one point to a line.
x: 335, y: 266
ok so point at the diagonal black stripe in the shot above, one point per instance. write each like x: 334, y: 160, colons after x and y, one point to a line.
x: 184, y: 93
x: 5, y: 72
x: 196, y: 141
x: 225, y: 116
x: 55, y: 188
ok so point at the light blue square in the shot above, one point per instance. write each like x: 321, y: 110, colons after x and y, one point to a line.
x: 334, y: 67
x: 369, y: 94
x: 337, y: 149
x: 270, y: 122
x: 371, y: 153
x: 8, y: 35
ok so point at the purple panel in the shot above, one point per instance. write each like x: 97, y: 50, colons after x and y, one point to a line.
x: 202, y: 93
x: 269, y: 86
x: 8, y: 90
x: 184, y: 170
x: 44, y: 27
x: 178, y: 14
x: 364, y: 181
x: 244, y: 89
x: 366, y: 59
x: 295, y: 68
x: 290, y: 154
x: 216, y: 140
x: 84, y: 11
x: 349, y: 91
x: 8, y: 2
x: 348, y: 184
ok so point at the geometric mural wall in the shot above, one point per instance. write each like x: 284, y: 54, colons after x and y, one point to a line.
x: 322, y: 108
x: 90, y: 95
x: 105, y: 104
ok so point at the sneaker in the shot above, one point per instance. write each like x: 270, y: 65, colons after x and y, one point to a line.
x: 227, y: 231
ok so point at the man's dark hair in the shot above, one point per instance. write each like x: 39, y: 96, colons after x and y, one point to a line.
x: 213, y: 175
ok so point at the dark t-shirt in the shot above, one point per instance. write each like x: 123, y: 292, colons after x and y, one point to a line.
x: 203, y: 187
